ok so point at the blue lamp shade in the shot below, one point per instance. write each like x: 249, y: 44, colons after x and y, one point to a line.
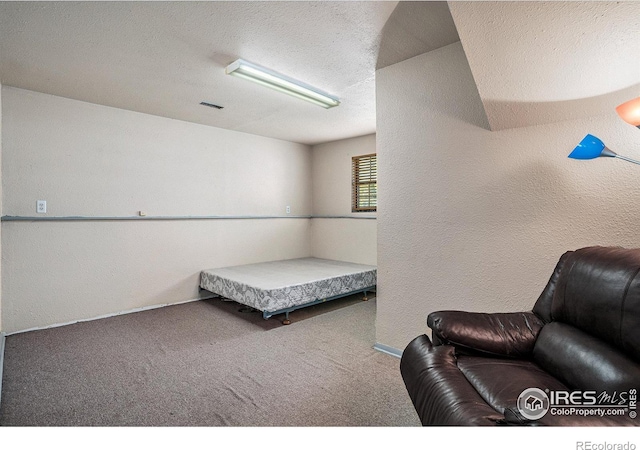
x: 590, y: 147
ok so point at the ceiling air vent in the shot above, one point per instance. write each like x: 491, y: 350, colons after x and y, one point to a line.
x: 211, y: 105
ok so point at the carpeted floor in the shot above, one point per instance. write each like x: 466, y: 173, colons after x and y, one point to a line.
x: 207, y: 364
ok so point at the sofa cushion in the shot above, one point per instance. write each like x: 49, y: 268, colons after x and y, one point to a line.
x: 583, y: 361
x: 500, y: 381
x: 598, y: 291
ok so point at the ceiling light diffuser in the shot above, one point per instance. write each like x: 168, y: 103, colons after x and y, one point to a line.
x: 281, y: 83
x: 630, y: 112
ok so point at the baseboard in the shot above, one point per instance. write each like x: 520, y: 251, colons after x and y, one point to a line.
x: 388, y: 350
x: 2, y: 339
x: 105, y: 316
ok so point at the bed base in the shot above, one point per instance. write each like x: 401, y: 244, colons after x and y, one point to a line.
x: 281, y: 287
x: 286, y: 321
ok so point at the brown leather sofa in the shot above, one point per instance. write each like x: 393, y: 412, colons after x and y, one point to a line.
x: 582, y: 337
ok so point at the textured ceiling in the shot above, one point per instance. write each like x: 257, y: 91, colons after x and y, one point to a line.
x: 543, y: 62
x: 533, y: 62
x: 164, y: 58
x: 415, y: 28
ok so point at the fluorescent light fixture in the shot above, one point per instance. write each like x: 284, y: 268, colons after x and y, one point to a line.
x: 281, y: 83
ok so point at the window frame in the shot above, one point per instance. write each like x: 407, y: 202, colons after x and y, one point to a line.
x: 370, y: 178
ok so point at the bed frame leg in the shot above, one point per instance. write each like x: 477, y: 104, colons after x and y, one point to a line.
x: 286, y: 320
x: 365, y: 298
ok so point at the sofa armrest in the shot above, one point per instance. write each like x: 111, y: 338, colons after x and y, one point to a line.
x: 503, y: 334
x: 440, y: 392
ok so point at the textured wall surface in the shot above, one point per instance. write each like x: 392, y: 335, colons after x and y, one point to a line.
x: 59, y: 272
x: 346, y: 239
x: 331, y: 169
x: 91, y: 160
x: 1, y: 327
x: 476, y: 220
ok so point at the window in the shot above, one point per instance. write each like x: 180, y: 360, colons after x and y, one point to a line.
x: 364, y: 192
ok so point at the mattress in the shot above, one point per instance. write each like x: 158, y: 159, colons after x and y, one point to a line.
x: 279, y: 285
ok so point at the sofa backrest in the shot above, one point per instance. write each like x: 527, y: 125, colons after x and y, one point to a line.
x: 598, y: 291
x: 592, y: 309
x: 542, y: 308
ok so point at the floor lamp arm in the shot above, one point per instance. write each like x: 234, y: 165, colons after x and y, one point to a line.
x: 628, y: 159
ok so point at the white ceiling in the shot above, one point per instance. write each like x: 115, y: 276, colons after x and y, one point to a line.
x: 164, y: 58
x: 533, y: 62
x: 415, y: 28
x: 543, y: 62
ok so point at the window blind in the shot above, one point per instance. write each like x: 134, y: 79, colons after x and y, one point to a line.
x: 364, y: 183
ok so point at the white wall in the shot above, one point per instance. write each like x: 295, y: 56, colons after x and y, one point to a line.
x: 1, y: 326
x: 476, y: 220
x: 90, y: 160
x: 341, y: 234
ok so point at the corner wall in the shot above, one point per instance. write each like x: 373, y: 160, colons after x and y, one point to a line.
x: 340, y: 234
x: 1, y: 138
x: 97, y: 162
x: 476, y: 220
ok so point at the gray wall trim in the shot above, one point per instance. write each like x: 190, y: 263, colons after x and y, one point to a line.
x: 142, y: 218
x: 346, y: 217
x: 388, y: 350
x: 2, y: 339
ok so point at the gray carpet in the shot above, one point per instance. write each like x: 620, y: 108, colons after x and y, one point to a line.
x: 207, y: 364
